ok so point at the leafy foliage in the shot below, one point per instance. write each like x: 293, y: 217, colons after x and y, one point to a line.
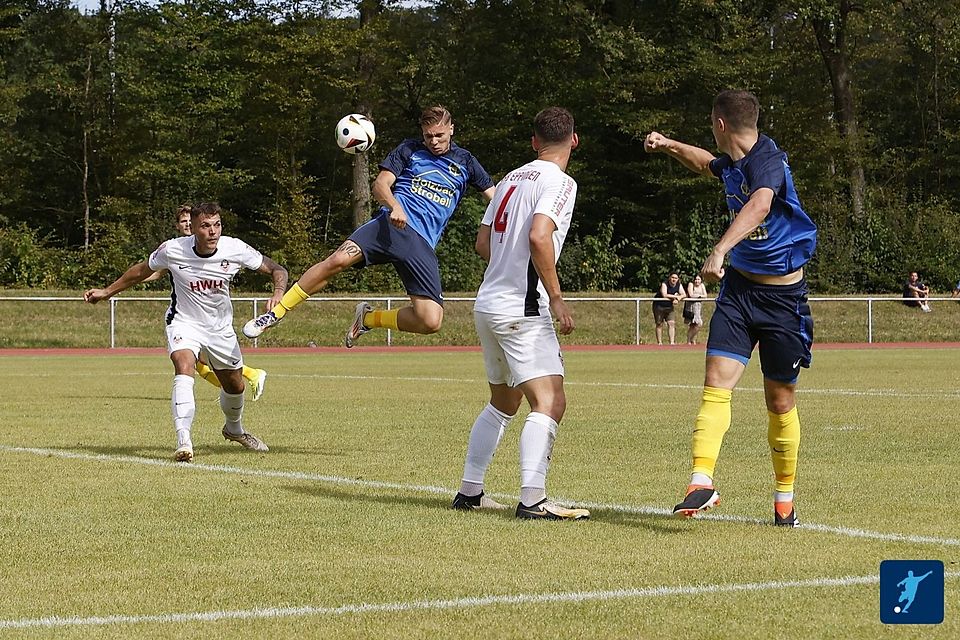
x: 233, y: 100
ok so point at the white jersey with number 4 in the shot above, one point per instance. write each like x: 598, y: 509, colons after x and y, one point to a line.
x: 201, y: 284
x: 511, y: 285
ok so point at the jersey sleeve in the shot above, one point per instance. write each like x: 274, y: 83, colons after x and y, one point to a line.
x: 765, y: 169
x: 250, y: 257
x: 717, y: 165
x: 398, y: 159
x: 479, y: 177
x: 489, y: 214
x: 557, y: 198
x: 159, y: 259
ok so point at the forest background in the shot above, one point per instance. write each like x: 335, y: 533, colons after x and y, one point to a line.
x: 111, y: 118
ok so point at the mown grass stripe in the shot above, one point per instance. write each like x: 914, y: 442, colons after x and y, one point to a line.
x: 447, y: 491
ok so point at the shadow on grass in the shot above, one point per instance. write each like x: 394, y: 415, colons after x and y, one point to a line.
x: 657, y: 523
x: 213, y: 454
x: 433, y: 502
x: 164, y: 399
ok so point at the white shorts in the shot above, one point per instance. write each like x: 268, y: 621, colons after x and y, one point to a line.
x: 221, y: 347
x: 518, y: 349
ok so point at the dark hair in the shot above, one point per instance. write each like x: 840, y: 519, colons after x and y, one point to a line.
x: 739, y: 109
x: 205, y: 209
x: 184, y: 209
x: 436, y: 114
x: 553, y: 124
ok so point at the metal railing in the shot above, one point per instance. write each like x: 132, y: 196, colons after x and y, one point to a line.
x: 255, y: 301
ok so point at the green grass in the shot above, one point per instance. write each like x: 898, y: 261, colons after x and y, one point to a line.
x: 117, y: 536
x: 140, y: 323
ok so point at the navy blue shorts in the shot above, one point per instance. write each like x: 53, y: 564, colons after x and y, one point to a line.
x: 775, y: 316
x: 411, y: 255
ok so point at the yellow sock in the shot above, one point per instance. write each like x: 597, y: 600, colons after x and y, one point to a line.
x: 290, y: 299
x: 783, y: 434
x: 712, y: 423
x: 249, y: 373
x: 383, y: 319
x: 207, y: 374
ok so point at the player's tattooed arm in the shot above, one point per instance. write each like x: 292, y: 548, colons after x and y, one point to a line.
x: 279, y: 276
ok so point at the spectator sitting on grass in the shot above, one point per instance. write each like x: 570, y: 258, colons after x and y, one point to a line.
x: 914, y: 288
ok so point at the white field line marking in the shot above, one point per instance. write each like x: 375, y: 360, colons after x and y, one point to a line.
x: 869, y: 393
x: 437, y: 605
x: 446, y: 491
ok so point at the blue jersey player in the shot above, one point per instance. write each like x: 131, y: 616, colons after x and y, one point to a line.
x: 762, y: 299
x: 420, y: 184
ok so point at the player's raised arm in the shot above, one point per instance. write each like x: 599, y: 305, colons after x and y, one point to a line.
x: 134, y: 275
x: 694, y: 158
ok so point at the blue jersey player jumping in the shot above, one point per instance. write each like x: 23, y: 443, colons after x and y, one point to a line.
x: 762, y: 299
x: 420, y: 184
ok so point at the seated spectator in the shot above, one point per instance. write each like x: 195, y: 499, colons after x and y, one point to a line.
x: 956, y: 291
x: 919, y: 292
x: 693, y: 308
x: 671, y: 293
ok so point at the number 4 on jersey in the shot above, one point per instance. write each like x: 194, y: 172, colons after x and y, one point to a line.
x: 500, y: 220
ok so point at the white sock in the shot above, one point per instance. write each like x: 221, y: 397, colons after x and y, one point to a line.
x: 702, y: 479
x: 783, y: 496
x: 232, y: 406
x: 536, y: 445
x: 183, y: 407
x: 485, y: 436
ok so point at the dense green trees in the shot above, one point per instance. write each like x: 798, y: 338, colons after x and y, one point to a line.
x: 109, y: 120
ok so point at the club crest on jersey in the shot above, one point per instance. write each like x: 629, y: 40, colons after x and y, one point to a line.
x: 224, y: 264
x: 454, y: 170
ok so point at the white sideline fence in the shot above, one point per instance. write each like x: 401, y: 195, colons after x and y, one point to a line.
x: 390, y: 300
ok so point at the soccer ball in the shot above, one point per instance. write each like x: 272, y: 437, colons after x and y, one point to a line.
x: 355, y: 133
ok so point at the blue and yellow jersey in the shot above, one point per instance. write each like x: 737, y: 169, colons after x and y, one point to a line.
x: 785, y: 240
x: 430, y: 187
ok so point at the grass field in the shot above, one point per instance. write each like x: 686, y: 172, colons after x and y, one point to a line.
x: 343, y: 529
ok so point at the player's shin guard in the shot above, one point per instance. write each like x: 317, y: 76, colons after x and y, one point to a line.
x: 207, y: 374
x: 783, y: 434
x: 183, y: 407
x: 485, y: 436
x: 536, y: 446
x: 711, y: 425
x: 290, y: 299
x: 232, y: 406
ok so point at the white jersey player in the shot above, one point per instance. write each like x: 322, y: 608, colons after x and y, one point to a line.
x: 200, y: 317
x: 520, y: 237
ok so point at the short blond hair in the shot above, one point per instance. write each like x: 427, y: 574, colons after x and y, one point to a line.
x: 436, y: 114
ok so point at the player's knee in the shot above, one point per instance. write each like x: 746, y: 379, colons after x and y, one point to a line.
x: 432, y: 321
x: 780, y: 405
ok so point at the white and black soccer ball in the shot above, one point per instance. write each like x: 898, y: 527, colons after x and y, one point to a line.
x: 355, y: 133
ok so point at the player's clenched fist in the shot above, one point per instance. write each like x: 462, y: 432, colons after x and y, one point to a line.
x: 655, y: 142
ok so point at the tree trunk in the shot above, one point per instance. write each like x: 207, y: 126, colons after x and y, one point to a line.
x: 369, y: 9
x: 832, y: 42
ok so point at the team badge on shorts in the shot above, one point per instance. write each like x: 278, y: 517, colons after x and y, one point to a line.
x: 177, y: 339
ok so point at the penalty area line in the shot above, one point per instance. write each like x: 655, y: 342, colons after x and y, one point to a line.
x: 476, y: 602
x: 848, y: 532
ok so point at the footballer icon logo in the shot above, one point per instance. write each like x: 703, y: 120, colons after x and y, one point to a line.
x: 224, y: 264
x: 911, y: 591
